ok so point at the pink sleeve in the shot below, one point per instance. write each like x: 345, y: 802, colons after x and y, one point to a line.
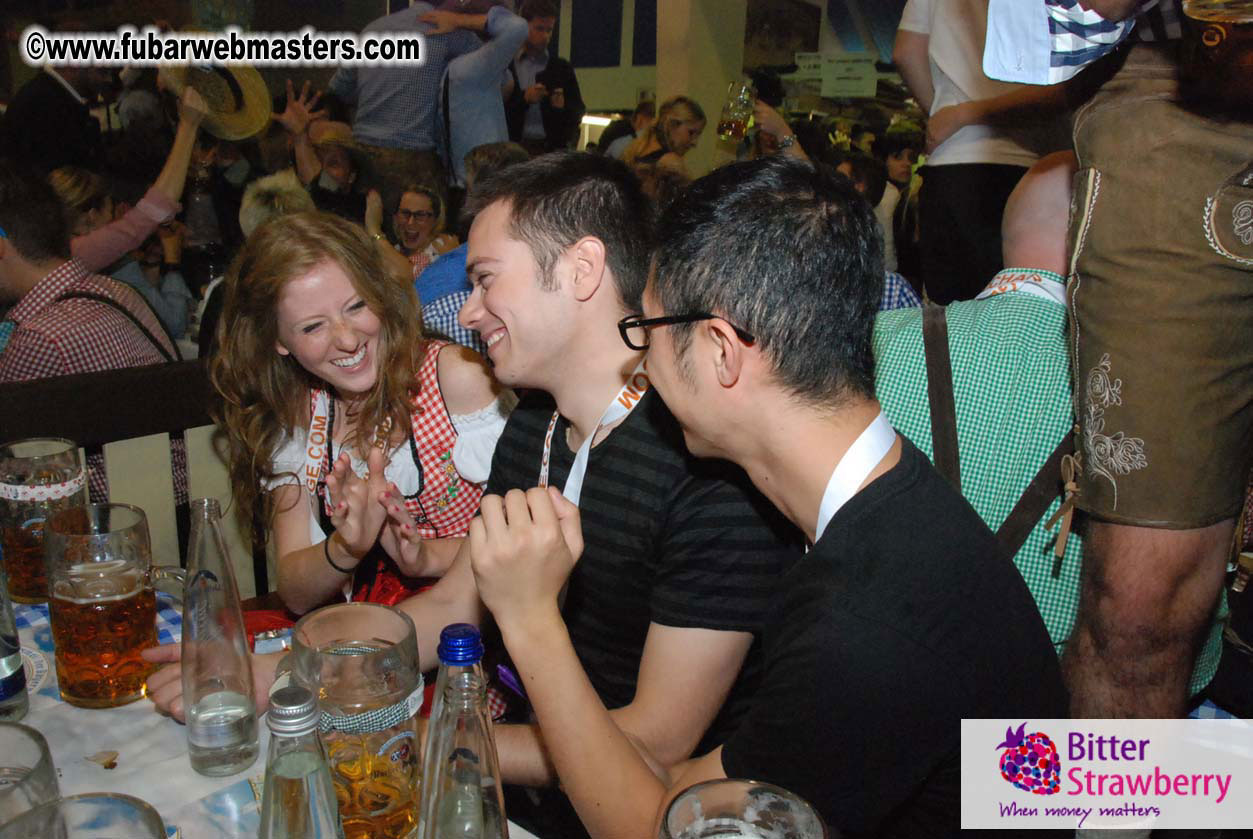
x: 102, y: 247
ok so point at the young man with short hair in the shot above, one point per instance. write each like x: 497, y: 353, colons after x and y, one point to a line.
x: 682, y: 554
x: 904, y: 617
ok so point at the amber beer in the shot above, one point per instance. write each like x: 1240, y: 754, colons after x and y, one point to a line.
x: 376, y: 781
x: 98, y: 640
x: 23, y: 549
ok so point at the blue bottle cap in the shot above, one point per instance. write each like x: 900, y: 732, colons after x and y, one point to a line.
x: 459, y: 644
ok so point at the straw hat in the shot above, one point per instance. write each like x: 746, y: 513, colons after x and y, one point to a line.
x: 238, y: 100
x: 325, y: 132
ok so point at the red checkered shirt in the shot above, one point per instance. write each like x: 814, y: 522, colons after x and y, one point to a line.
x: 60, y: 337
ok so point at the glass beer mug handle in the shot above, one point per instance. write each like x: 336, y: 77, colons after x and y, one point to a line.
x: 173, y: 576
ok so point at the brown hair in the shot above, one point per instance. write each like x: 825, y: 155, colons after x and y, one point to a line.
x: 265, y: 395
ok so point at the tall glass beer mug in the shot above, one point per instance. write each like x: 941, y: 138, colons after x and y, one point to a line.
x: 730, y: 808
x: 361, y: 662
x: 38, y: 478
x: 737, y: 113
x: 101, y: 602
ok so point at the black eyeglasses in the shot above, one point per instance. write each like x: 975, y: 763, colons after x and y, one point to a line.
x: 410, y: 215
x: 634, y: 328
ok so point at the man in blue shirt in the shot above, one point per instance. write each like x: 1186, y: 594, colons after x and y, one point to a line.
x: 396, y: 104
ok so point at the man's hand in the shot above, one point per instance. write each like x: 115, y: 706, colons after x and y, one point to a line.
x: 522, y: 549
x: 165, y: 687
x: 947, y: 121
x: 443, y: 21
x: 299, y: 111
x: 769, y: 120
x: 535, y: 93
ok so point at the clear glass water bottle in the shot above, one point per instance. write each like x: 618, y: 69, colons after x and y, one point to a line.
x: 14, y: 703
x: 461, y: 792
x: 299, y: 798
x: 217, y: 672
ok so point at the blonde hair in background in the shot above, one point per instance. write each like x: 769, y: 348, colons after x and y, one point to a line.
x: 673, y: 112
x: 263, y: 394
x: 79, y: 190
x: 274, y: 195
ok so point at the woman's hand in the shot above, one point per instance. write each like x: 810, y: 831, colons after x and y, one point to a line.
x: 355, y: 513
x: 165, y: 687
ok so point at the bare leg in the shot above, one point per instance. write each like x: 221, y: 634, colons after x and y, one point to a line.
x: 1146, y: 598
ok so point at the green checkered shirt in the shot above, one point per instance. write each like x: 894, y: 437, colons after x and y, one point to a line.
x: 1012, y: 392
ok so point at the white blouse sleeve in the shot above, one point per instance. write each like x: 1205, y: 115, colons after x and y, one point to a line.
x: 288, y: 457
x: 477, y: 434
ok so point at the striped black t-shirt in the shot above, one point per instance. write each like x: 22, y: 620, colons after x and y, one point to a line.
x: 669, y: 539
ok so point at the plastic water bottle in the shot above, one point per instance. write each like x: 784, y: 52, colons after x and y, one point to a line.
x: 14, y: 702
x: 299, y: 799
x: 217, y: 673
x: 461, y: 793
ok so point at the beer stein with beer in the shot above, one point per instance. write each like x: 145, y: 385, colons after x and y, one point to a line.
x: 360, y: 660
x: 730, y: 808
x: 38, y: 478
x: 737, y: 113
x: 101, y: 602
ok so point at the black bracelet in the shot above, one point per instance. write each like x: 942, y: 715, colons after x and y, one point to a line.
x: 326, y: 552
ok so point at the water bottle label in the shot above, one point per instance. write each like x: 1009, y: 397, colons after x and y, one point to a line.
x: 14, y: 683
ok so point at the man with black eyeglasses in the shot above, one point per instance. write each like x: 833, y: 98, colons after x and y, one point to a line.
x: 905, y: 616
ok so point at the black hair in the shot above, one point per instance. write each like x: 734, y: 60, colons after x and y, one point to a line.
x: 32, y: 216
x: 787, y: 252
x: 531, y: 9
x: 870, y: 173
x: 558, y: 198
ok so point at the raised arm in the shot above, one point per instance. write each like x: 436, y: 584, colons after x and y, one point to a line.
x: 103, y: 246
x: 505, y: 31
x: 523, y: 548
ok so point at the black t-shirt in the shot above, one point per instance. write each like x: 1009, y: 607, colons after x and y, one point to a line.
x: 668, y: 539
x: 903, y: 619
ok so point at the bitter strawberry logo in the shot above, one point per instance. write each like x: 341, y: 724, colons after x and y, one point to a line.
x: 1030, y: 761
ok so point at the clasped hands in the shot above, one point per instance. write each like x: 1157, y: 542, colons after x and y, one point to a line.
x: 523, y: 547
x: 369, y: 509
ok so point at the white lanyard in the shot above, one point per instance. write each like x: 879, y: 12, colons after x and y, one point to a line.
x: 866, y: 453
x: 626, y: 400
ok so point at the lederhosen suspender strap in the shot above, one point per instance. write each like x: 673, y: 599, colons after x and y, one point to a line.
x: 147, y: 333
x: 1036, y: 500
x: 940, y: 395
x: 1044, y: 487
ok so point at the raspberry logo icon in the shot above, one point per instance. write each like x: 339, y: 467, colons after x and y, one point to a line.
x: 1030, y: 761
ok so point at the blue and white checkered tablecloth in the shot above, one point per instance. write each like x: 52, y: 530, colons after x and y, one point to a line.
x: 34, y: 616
